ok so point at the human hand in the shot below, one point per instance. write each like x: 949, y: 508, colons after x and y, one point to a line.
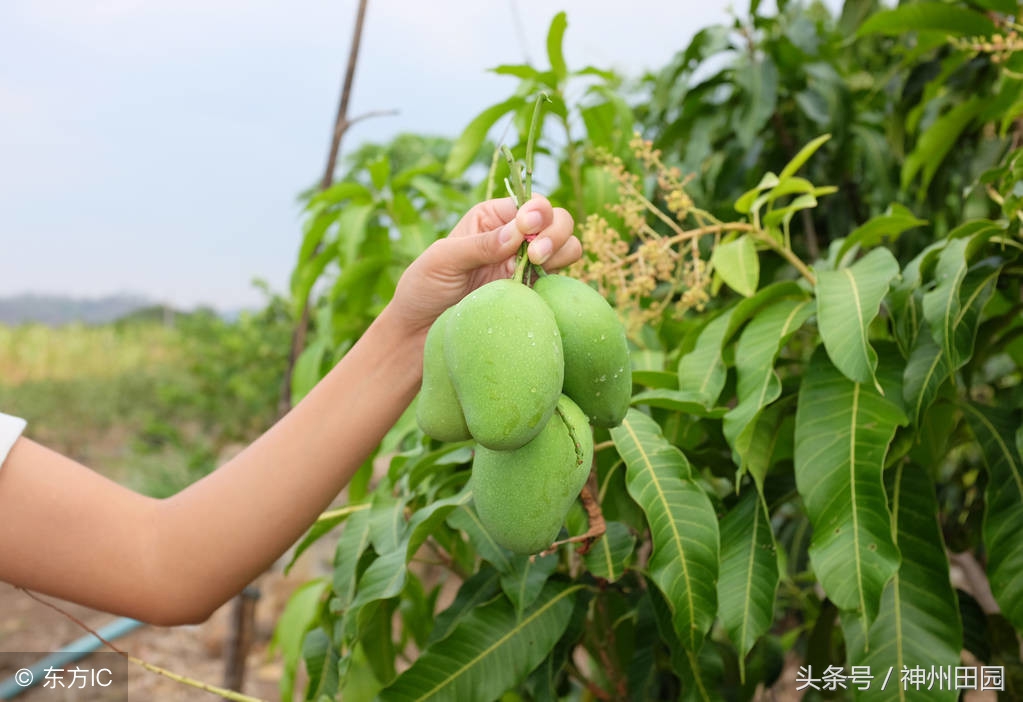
x: 481, y: 248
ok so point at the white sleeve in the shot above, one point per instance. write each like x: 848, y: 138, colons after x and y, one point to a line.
x: 10, y: 430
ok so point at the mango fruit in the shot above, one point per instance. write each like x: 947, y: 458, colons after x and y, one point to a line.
x: 522, y: 496
x: 598, y: 373
x: 438, y: 412
x: 504, y: 356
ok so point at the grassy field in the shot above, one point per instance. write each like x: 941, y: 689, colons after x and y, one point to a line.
x: 154, y: 405
x: 103, y: 395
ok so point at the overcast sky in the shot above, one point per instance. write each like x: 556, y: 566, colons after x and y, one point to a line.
x: 157, y: 146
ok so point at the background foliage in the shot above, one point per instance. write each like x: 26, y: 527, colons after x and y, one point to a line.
x: 814, y: 242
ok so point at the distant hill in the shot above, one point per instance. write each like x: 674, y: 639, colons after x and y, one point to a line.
x: 63, y: 309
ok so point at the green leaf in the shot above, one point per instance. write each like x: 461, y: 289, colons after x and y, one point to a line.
x: 843, y: 430
x: 386, y: 522
x: 906, y: 297
x: 306, y: 373
x: 759, y: 82
x: 299, y: 616
x: 999, y: 436
x: 464, y: 150
x: 430, y: 188
x: 321, y: 527
x: 928, y: 17
x: 952, y: 308
x: 802, y: 157
x: 352, y: 226
x: 935, y: 143
x: 682, y: 522
x: 848, y: 300
x: 658, y: 380
x: 377, y: 640
x: 526, y: 578
x: 749, y: 573
x: 350, y: 547
x: 784, y: 215
x: 687, y: 402
x: 339, y: 192
x: 555, y: 35
x: 425, y: 465
x: 764, y: 434
x: 306, y: 274
x: 379, y: 171
x: 758, y: 383
x: 489, y: 651
x: 737, y: 264
x: 701, y: 372
x: 321, y: 664
x: 521, y: 71
x: 745, y: 202
x: 609, y: 555
x: 314, y: 230
x: 925, y: 373
x: 426, y: 520
x: 918, y: 620
x: 880, y: 229
x: 386, y: 576
x: 466, y: 519
x: 1008, y: 7
x: 383, y: 579
x: 699, y: 672
x: 480, y: 588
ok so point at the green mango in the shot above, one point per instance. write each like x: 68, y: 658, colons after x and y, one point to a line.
x: 438, y: 411
x: 598, y: 372
x: 504, y: 355
x: 522, y: 496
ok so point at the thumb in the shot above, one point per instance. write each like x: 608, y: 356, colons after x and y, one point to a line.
x: 467, y: 253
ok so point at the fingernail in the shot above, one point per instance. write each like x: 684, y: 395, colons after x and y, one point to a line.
x: 507, y: 233
x: 532, y: 221
x: 540, y: 250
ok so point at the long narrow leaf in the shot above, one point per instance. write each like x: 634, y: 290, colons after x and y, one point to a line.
x: 918, y: 621
x: 554, y: 39
x: 843, y: 430
x: 468, y: 144
x: 847, y: 302
x: 682, y: 523
x: 996, y: 431
x: 609, y: 555
x: 488, y: 652
x: 928, y: 17
x: 749, y: 573
x: 952, y: 309
x: 758, y: 384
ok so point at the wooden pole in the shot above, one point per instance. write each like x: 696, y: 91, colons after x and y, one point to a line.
x: 341, y: 124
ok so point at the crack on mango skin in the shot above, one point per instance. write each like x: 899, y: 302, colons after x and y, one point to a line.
x: 580, y: 455
x: 523, y: 495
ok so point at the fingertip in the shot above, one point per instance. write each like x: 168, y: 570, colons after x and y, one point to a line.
x: 510, y: 234
x: 540, y: 249
x: 535, y: 215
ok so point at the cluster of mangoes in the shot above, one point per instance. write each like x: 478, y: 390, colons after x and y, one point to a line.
x: 524, y: 371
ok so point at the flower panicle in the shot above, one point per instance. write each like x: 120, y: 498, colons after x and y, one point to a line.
x: 651, y: 264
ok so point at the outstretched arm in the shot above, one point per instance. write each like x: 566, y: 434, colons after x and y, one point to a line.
x: 69, y: 532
